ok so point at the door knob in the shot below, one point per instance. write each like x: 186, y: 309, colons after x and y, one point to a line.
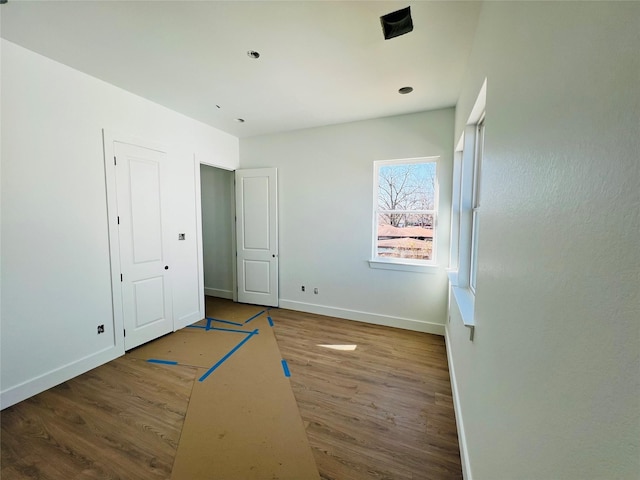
x: 166, y: 267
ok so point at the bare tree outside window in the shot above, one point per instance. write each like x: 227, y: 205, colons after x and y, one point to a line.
x: 406, y: 199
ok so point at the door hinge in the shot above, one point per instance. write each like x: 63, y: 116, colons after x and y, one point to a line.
x: 118, y: 220
x: 120, y: 277
x: 114, y: 160
x: 125, y: 332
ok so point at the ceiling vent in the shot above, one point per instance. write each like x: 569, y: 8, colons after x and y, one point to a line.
x: 396, y: 23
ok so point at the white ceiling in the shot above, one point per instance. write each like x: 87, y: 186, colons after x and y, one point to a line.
x: 321, y: 63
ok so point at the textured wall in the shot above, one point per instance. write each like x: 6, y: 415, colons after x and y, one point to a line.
x: 549, y: 388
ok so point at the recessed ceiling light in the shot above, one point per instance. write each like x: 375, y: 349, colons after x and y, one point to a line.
x: 405, y: 90
x: 240, y: 120
x: 253, y: 54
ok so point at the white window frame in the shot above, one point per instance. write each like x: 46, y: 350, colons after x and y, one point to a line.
x: 475, y: 202
x: 412, y: 265
x: 465, y: 216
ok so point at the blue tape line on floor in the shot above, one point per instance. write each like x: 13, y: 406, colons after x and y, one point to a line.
x: 270, y: 321
x: 255, y: 316
x: 226, y: 357
x: 162, y: 362
x: 220, y: 329
x: 224, y: 321
x: 285, y: 367
x: 231, y: 330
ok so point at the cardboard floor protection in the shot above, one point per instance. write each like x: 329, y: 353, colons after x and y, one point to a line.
x: 242, y: 422
x: 191, y: 346
x: 222, y: 309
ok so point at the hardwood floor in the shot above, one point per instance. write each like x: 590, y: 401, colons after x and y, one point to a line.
x: 381, y: 411
x: 119, y: 421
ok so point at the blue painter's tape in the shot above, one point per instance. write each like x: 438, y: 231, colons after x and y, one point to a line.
x: 162, y: 362
x: 226, y: 357
x: 285, y: 367
x: 246, y: 332
x: 270, y: 321
x: 224, y: 321
x: 220, y: 329
x: 255, y: 316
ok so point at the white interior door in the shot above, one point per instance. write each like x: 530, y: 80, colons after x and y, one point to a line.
x: 257, y: 236
x: 142, y: 232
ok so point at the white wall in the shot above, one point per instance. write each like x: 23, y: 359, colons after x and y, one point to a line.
x: 325, y: 186
x: 549, y: 388
x: 55, y: 253
x: 217, y: 235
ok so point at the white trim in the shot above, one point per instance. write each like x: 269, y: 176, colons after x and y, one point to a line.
x: 406, y: 265
x: 109, y: 139
x: 374, y: 318
x: 199, y: 239
x: 477, y: 112
x: 218, y: 292
x: 462, y: 438
x: 466, y: 304
x: 50, y: 379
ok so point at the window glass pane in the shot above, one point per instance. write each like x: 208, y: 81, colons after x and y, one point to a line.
x: 402, y: 235
x: 407, y: 186
x: 474, y: 251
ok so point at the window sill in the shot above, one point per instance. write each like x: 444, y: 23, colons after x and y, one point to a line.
x: 465, y: 300
x: 403, y: 266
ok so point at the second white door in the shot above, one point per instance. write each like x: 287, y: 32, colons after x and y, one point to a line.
x: 257, y: 236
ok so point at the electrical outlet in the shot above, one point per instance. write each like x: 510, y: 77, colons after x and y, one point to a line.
x: 100, y: 329
x: 302, y: 289
x: 315, y: 290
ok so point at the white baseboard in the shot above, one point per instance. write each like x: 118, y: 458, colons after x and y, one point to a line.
x: 216, y: 292
x: 50, y: 379
x: 377, y: 319
x: 462, y: 438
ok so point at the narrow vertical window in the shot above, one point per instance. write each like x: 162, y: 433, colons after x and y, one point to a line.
x: 405, y: 210
x: 477, y: 169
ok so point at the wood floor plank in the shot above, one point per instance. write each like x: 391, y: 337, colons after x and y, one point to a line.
x: 381, y: 411
x: 121, y: 420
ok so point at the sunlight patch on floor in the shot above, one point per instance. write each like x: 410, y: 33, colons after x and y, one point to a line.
x: 345, y: 348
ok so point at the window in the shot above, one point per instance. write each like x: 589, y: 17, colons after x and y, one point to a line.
x: 465, y: 210
x: 405, y: 211
x: 475, y: 202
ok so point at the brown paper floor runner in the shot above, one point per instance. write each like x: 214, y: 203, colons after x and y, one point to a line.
x: 243, y: 421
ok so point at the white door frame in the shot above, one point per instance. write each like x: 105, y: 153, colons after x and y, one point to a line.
x: 232, y: 216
